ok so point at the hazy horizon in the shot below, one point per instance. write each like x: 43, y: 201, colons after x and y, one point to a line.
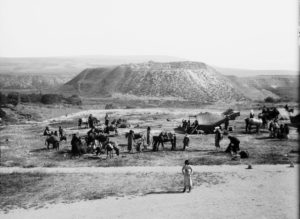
x: 113, y: 60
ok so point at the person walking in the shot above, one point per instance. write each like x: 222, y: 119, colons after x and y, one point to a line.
x: 187, y: 172
x: 186, y: 141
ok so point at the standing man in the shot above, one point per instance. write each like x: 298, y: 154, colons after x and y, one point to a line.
x: 148, y: 136
x: 161, y: 140
x: 187, y: 172
x: 90, y: 121
x: 60, y: 132
x: 286, y: 131
x: 218, y: 137
x: 174, y: 142
x: 130, y: 140
x: 226, y: 122
x: 186, y: 141
x: 106, y: 119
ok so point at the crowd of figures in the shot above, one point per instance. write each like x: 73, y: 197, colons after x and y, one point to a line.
x: 54, y: 137
x: 268, y: 118
x: 137, y: 140
x: 97, y: 139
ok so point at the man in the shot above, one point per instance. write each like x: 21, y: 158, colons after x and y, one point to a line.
x: 106, y: 119
x: 218, y: 137
x: 286, y: 131
x: 234, y: 145
x: 226, y: 123
x: 130, y: 138
x: 186, y: 141
x: 47, y: 131
x: 75, y: 143
x: 60, y: 132
x: 174, y: 142
x: 148, y: 136
x: 251, y: 114
x: 187, y: 172
x: 90, y: 121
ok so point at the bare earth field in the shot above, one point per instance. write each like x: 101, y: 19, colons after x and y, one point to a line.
x: 36, y: 182
x: 266, y: 191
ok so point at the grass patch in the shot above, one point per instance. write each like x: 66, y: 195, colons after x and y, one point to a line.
x: 28, y: 190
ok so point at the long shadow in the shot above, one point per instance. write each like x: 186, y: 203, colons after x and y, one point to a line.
x: 207, y: 150
x: 263, y: 138
x: 40, y: 150
x: 164, y: 192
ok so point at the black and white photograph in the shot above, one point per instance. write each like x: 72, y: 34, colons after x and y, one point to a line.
x: 149, y: 109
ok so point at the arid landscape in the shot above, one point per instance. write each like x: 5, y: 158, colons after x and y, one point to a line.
x: 36, y: 181
x: 39, y: 182
x: 149, y: 109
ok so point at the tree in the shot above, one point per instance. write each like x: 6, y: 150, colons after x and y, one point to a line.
x: 269, y: 100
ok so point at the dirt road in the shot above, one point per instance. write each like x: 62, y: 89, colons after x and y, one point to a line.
x: 266, y: 191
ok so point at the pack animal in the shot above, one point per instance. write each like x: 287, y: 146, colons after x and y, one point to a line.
x: 253, y: 122
x: 161, y: 139
x: 52, y: 140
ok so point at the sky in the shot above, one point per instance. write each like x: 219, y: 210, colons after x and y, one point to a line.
x: 251, y: 34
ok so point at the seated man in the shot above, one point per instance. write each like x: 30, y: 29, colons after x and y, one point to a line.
x: 47, y: 131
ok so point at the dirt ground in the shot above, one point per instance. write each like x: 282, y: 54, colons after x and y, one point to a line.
x: 23, y: 145
x: 36, y: 182
x: 266, y: 191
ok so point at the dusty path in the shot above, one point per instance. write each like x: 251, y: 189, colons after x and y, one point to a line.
x: 266, y: 191
x: 169, y: 169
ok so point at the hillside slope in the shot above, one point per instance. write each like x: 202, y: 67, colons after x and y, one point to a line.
x: 262, y: 86
x: 29, y: 81
x: 172, y: 80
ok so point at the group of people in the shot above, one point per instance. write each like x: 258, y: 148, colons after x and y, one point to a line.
x: 136, y: 140
x: 234, y: 145
x: 277, y: 130
x: 56, y: 134
x: 186, y: 125
x: 280, y: 131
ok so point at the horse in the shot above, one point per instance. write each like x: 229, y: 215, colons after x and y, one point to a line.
x: 52, y: 140
x: 161, y: 139
x: 253, y: 121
